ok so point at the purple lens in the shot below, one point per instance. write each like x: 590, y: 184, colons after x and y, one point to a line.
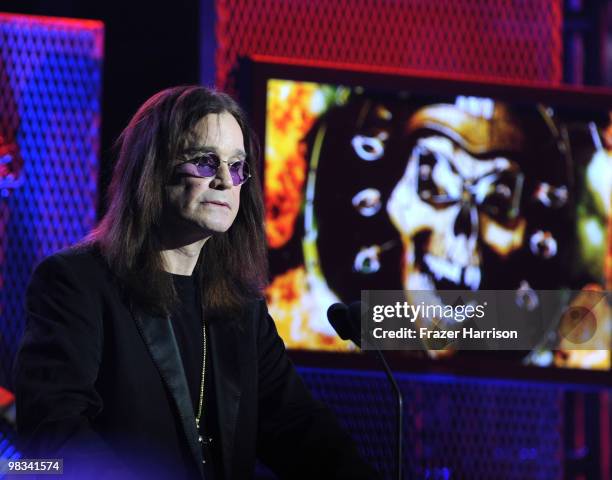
x: 208, y: 167
x: 239, y: 172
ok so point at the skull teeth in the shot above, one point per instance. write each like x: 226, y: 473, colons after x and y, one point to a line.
x: 471, y: 277
x: 443, y: 269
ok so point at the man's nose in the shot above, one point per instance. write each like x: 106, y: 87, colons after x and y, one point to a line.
x: 223, y: 178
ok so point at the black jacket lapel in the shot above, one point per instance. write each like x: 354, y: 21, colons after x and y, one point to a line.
x: 159, y: 337
x: 225, y: 354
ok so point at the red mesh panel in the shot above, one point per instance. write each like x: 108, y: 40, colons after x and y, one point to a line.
x: 506, y: 39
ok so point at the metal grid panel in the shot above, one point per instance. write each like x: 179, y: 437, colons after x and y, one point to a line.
x: 486, y: 38
x: 455, y: 427
x: 50, y: 88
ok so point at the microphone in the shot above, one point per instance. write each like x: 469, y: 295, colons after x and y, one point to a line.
x: 338, y: 316
x: 346, y: 321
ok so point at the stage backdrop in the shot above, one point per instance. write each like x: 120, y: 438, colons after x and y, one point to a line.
x: 485, y: 38
x: 50, y: 87
x: 514, y: 41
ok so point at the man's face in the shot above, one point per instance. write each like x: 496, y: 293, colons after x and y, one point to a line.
x: 199, y: 207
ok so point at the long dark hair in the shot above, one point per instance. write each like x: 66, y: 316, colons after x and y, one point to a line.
x: 232, y: 266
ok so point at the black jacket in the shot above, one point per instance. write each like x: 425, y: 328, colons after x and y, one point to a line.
x: 101, y: 384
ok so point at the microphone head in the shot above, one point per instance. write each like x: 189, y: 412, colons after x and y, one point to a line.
x: 354, y: 313
x: 338, y: 316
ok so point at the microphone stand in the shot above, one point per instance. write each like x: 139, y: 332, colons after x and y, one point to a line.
x: 400, y: 413
x: 346, y: 321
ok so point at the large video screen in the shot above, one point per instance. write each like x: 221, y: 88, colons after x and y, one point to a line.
x: 392, y: 182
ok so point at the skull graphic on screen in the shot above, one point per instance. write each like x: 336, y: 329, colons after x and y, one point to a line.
x: 465, y: 194
x: 458, y: 203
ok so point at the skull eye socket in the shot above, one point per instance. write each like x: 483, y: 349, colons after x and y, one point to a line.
x: 440, y: 184
x: 498, y: 194
x: 436, y: 178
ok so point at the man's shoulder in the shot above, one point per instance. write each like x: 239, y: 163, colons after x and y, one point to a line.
x: 83, y: 260
x: 78, y: 273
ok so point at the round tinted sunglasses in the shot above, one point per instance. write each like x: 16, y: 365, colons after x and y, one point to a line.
x: 207, y: 165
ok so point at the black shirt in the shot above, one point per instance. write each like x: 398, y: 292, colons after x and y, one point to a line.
x: 187, y: 324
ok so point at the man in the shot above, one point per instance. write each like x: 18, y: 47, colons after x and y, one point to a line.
x: 148, y: 349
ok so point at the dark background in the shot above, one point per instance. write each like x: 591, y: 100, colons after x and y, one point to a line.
x: 148, y: 46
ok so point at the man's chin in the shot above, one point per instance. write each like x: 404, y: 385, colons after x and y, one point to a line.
x: 211, y: 225
x: 193, y: 230
x: 211, y: 230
